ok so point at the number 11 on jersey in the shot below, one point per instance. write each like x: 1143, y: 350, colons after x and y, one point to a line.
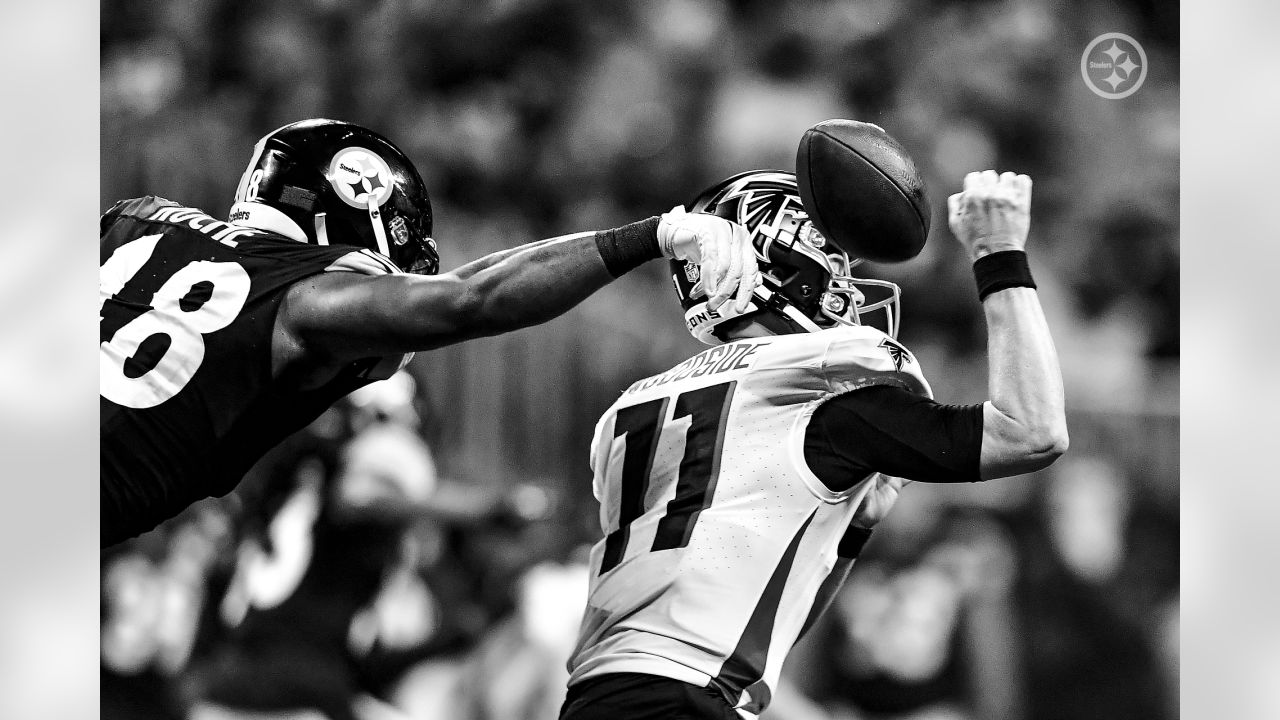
x: 708, y: 410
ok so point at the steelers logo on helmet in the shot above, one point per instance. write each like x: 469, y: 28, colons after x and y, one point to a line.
x: 360, y: 177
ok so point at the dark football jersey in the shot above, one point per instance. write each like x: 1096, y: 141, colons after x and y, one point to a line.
x: 187, y: 315
x: 308, y: 572
x: 296, y: 630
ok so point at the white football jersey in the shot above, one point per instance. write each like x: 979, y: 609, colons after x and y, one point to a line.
x: 718, y: 537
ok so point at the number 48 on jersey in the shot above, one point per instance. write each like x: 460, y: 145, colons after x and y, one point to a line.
x: 152, y: 356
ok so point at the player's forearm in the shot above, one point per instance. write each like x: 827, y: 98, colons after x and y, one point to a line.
x: 543, y: 280
x: 488, y: 261
x: 1025, y: 414
x: 535, y: 285
x: 532, y: 285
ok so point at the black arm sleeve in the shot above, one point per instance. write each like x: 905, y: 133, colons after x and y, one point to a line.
x: 896, y: 432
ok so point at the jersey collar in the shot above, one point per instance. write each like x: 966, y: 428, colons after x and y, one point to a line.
x: 265, y: 217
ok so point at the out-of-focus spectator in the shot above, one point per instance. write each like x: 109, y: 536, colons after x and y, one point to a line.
x: 155, y: 597
x: 1097, y: 563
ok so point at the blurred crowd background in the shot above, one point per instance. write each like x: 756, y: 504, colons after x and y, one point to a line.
x: 418, y: 551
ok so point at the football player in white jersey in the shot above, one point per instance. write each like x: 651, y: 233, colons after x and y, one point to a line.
x: 737, y: 487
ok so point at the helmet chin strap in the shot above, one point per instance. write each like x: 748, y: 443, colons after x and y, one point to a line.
x: 764, y: 310
x: 800, y: 318
x: 379, y: 232
x: 793, y: 314
x: 322, y: 230
x: 375, y: 218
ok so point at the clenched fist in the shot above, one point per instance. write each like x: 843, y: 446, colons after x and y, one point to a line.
x: 992, y: 213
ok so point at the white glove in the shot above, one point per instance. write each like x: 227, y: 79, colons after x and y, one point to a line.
x: 722, y: 250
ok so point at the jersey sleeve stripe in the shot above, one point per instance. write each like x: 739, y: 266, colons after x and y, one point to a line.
x: 847, y: 551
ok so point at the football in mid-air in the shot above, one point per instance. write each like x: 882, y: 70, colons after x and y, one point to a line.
x: 862, y: 190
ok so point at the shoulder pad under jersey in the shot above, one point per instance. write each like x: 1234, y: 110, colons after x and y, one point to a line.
x: 133, y: 207
x: 862, y: 356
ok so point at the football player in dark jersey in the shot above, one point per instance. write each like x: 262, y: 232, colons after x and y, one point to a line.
x: 220, y: 338
x: 737, y: 488
x: 326, y: 548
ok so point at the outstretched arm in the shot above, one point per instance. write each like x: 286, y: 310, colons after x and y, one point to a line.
x: 494, y: 258
x: 1024, y: 426
x: 338, y: 316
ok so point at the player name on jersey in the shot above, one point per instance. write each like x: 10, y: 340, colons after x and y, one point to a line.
x: 223, y: 232
x: 722, y: 358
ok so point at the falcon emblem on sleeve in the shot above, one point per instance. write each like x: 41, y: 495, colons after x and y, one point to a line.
x: 898, y: 354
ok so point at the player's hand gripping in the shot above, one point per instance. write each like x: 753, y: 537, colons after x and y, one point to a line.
x: 722, y: 250
x: 878, y: 501
x: 992, y: 213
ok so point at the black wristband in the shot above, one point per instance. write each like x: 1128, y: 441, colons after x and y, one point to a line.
x: 1001, y: 271
x: 626, y: 248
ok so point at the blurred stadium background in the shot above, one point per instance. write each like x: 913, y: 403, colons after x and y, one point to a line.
x: 1048, y: 596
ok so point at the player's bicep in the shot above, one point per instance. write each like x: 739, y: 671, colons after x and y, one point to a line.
x: 890, y: 430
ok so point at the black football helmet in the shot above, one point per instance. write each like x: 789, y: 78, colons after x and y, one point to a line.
x: 323, y: 181
x: 807, y: 286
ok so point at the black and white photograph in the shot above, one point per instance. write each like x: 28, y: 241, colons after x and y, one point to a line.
x: 609, y: 360
x: 538, y: 359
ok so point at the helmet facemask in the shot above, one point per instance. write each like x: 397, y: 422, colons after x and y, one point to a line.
x: 856, y: 301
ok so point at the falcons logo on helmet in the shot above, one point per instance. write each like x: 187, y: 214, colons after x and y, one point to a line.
x: 769, y: 206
